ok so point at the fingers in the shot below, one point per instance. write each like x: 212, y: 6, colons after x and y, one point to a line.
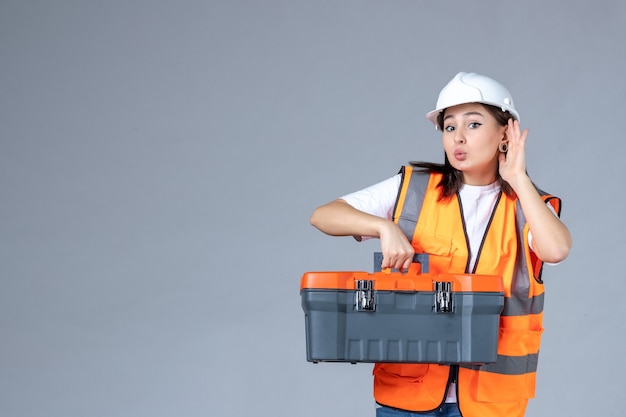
x: 407, y: 263
x: 513, y: 164
x: 514, y: 134
x: 398, y: 260
x: 397, y: 250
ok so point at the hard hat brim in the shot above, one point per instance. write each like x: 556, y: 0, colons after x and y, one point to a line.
x: 432, y: 115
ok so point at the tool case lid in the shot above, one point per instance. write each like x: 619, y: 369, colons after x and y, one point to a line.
x: 398, y: 281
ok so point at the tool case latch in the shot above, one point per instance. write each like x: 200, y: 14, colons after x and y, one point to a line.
x: 443, y: 297
x: 364, y: 299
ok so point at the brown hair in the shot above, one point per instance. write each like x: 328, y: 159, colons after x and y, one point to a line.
x: 452, y: 179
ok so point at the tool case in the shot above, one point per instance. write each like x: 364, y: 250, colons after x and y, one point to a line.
x: 412, y: 317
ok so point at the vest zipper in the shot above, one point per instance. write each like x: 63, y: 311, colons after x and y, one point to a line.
x: 454, y: 378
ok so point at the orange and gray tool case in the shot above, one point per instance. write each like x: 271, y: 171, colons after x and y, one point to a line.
x: 412, y: 317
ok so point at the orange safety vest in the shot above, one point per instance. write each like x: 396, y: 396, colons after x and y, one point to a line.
x: 499, y: 389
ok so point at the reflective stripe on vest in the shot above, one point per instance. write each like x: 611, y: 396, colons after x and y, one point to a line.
x: 410, y: 200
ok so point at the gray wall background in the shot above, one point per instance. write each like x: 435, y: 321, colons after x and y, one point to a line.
x: 159, y: 161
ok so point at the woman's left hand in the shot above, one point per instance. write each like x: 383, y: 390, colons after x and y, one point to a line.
x: 513, y: 162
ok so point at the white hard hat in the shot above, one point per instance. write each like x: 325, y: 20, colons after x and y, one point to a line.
x: 469, y: 87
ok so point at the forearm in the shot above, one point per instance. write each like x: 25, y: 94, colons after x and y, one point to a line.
x: 551, y: 238
x: 338, y: 218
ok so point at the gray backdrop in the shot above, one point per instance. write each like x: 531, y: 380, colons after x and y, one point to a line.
x: 159, y: 161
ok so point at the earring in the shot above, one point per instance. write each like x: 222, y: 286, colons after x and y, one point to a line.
x: 503, y: 147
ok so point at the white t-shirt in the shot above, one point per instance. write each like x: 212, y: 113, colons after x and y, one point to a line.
x: 478, y: 202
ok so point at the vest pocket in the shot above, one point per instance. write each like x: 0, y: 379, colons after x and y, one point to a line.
x: 513, y: 376
x: 493, y: 388
x: 414, y: 372
x: 439, y: 249
x: 410, y: 386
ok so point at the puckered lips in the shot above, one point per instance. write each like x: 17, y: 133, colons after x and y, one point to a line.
x: 460, y: 154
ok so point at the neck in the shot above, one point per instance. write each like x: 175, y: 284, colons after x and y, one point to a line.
x: 474, y: 179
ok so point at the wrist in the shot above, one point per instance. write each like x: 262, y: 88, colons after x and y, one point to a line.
x: 384, y: 226
x: 519, y: 181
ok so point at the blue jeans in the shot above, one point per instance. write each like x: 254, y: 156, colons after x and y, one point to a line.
x: 446, y: 410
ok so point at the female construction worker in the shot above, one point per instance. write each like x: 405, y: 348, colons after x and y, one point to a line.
x: 479, y: 213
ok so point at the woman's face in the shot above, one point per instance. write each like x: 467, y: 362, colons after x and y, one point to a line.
x: 471, y: 136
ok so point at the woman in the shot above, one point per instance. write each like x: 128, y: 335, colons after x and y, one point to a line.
x: 478, y: 212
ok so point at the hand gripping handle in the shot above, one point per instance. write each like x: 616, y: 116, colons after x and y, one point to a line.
x: 421, y: 258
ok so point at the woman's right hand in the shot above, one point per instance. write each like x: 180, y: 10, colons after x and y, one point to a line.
x: 396, y: 248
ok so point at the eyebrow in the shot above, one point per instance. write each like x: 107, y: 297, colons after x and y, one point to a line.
x: 469, y: 113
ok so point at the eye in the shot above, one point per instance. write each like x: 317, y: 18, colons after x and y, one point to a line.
x: 449, y: 128
x: 474, y: 125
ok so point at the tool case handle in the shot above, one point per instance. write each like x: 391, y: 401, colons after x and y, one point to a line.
x: 421, y: 258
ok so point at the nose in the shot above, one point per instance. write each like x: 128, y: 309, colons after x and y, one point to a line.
x: 459, y: 137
